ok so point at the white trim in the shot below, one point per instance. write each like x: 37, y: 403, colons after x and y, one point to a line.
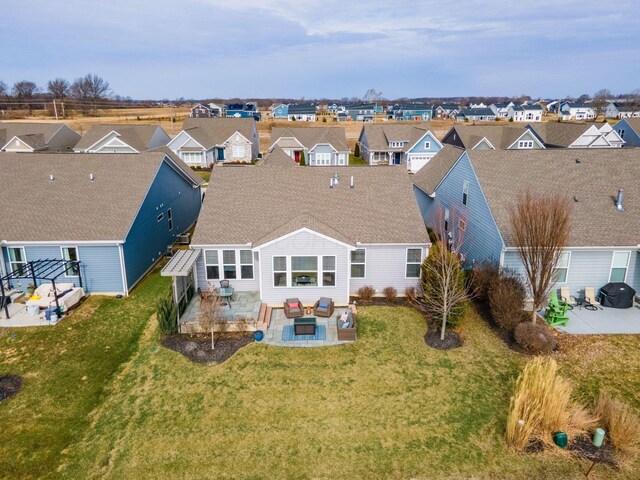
x: 286, y: 272
x: 594, y: 248
x: 411, y: 244
x: 237, y: 263
x: 182, y: 144
x: 483, y: 139
x: 357, y: 263
x: 335, y: 150
x: 123, y: 270
x: 76, y: 260
x: 566, y: 279
x: 626, y: 268
x: 24, y: 256
x: 428, y: 132
x: 304, y: 230
x: 63, y: 242
x: 234, y: 133
x: 89, y: 148
x: 407, y: 263
x: 532, y: 134
x: 107, y: 145
x: 170, y: 218
x: 29, y: 147
x: 291, y: 138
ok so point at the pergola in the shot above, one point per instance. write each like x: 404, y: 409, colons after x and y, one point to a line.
x: 181, y: 269
x: 48, y: 270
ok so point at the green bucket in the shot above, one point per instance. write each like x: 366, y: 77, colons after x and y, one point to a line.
x: 560, y: 439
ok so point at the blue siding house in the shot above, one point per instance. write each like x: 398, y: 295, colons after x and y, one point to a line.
x: 114, y: 215
x: 474, y: 190
x: 281, y: 111
x: 629, y: 130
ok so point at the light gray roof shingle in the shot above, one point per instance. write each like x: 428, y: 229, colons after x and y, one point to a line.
x: 261, y: 204
x: 430, y: 176
x: 594, y: 182
x: 136, y: 136
x: 72, y: 207
x: 500, y: 136
x: 561, y: 134
x: 311, y: 136
x: 210, y: 132
x: 36, y: 135
x: 278, y: 158
x: 379, y: 136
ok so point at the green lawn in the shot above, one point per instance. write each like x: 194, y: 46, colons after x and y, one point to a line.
x: 205, y: 174
x: 387, y: 406
x: 356, y: 161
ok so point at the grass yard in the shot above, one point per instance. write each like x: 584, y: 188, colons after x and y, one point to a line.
x: 205, y: 174
x: 67, y: 372
x: 356, y: 161
x: 387, y: 406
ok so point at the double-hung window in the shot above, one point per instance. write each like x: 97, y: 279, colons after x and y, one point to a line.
x: 246, y: 264
x: 229, y: 264
x: 71, y: 254
x: 446, y: 219
x: 414, y: 259
x: 619, y: 266
x: 358, y: 258
x: 328, y: 271
x: 211, y: 264
x: 279, y: 271
x: 465, y: 192
x: 17, y: 260
x: 561, y: 270
x: 323, y: 159
x: 342, y: 159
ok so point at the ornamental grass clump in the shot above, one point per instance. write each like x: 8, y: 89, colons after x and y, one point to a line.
x: 621, y: 425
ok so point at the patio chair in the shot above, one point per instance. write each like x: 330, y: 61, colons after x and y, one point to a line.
x: 590, y: 300
x: 293, y: 308
x: 224, y: 283
x: 557, y: 305
x: 323, y: 307
x: 567, y: 298
x: 556, y: 312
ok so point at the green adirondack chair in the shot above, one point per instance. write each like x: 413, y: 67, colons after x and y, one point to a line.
x: 556, y: 313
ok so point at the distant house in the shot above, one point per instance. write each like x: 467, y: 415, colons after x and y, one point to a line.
x: 413, y: 111
x: 242, y: 110
x: 474, y: 191
x: 412, y: 145
x: 309, y: 233
x: 302, y: 112
x: 200, y: 111
x: 216, y: 110
x: 478, y: 105
x: 628, y: 129
x: 115, y: 217
x: 18, y: 137
x: 359, y: 113
x: 122, y: 138
x: 621, y: 110
x: 475, y: 115
x: 277, y: 157
x: 445, y: 110
x: 502, y: 109
x: 335, y: 108
x: 321, y: 146
x: 205, y: 141
x: 493, y: 137
x: 281, y: 111
x: 576, y: 111
x: 577, y: 135
x: 525, y: 113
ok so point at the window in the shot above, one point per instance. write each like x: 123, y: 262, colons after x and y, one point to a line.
x: 462, y: 225
x: 71, y: 254
x: 211, y: 264
x: 414, y: 259
x: 562, y: 268
x: 160, y: 217
x: 323, y: 159
x: 191, y: 157
x: 328, y: 271
x: 17, y: 260
x: 342, y: 159
x: 465, y: 192
x: 238, y: 151
x: 358, y: 263
x: 427, y: 145
x: 621, y: 132
x: 229, y: 264
x: 304, y: 271
x: 246, y: 264
x: 525, y: 144
x: 446, y: 219
x: 170, y: 219
x: 279, y: 271
x: 619, y: 266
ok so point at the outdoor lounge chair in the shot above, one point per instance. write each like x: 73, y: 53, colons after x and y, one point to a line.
x: 590, y: 300
x: 348, y: 332
x: 556, y: 313
x: 293, y: 308
x: 567, y: 298
x: 323, y: 307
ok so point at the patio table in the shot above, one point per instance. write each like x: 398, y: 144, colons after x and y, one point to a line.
x: 304, y: 326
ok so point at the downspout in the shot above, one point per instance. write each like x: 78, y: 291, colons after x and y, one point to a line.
x: 123, y: 269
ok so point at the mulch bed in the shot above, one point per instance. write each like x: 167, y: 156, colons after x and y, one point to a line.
x: 583, y: 447
x: 400, y: 301
x: 451, y: 338
x: 198, y: 348
x: 9, y: 386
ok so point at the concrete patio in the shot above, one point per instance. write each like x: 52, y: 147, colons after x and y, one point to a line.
x: 604, y: 321
x: 19, y: 317
x: 273, y: 335
x: 244, y: 305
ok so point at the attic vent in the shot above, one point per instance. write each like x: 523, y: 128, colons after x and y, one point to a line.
x: 51, y: 178
x: 619, y: 204
x: 578, y: 160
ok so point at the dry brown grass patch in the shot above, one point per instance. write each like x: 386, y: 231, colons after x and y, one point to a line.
x: 621, y: 424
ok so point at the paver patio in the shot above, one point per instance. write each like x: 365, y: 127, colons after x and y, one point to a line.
x: 603, y: 321
x: 273, y: 335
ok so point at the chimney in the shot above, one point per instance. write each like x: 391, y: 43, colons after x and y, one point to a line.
x: 351, y: 185
x: 619, y: 205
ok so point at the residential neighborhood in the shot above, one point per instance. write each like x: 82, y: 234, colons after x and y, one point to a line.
x: 320, y: 240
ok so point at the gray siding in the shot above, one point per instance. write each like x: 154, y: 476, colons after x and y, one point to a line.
x: 385, y: 266
x: 304, y: 243
x: 587, y: 268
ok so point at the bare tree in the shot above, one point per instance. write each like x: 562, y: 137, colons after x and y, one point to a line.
x: 90, y: 89
x: 3, y: 88
x: 540, y: 228
x: 442, y: 279
x: 210, y: 314
x: 372, y: 95
x: 25, y: 90
x: 59, y: 88
x: 600, y: 99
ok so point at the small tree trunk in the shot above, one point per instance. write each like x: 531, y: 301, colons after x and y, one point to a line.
x: 212, y: 345
x: 534, y: 315
x: 444, y: 326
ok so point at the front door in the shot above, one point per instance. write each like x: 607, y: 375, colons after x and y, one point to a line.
x: 220, y: 154
x: 296, y: 156
x: 396, y: 158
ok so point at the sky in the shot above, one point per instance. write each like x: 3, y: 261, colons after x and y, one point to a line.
x: 155, y: 49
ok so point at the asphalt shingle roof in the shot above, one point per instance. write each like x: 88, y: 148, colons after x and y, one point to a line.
x: 311, y: 136
x: 500, y: 136
x: 210, y: 132
x: 561, y: 134
x: 264, y: 203
x: 379, y: 136
x: 430, y: 176
x: 36, y: 135
x: 136, y: 136
x: 72, y: 207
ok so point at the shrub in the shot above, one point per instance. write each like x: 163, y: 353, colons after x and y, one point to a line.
x: 324, y: 119
x: 536, y: 338
x: 506, y: 301
x: 356, y: 150
x: 620, y: 423
x: 366, y: 293
x: 541, y: 404
x: 390, y: 294
x: 482, y: 277
x: 302, y: 159
x: 166, y: 314
x: 410, y: 293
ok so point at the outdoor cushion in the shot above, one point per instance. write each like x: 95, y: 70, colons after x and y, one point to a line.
x: 345, y: 324
x: 292, y: 300
x: 323, y: 305
x: 293, y: 305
